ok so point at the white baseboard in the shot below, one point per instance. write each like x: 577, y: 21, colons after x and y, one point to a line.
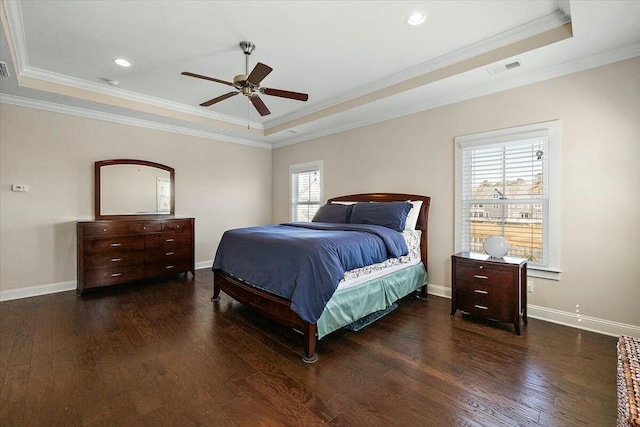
x: 593, y: 324
x: 52, y: 288
x: 574, y: 320
x: 34, y: 291
x: 440, y: 291
x: 204, y: 264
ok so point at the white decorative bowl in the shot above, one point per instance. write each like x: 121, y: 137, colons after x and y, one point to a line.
x: 496, y: 246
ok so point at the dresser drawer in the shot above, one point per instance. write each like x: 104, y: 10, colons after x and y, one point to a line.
x: 113, y: 260
x: 112, y: 276
x: 113, y: 245
x: 180, y: 265
x: 178, y: 225
x: 159, y: 253
x: 168, y: 240
x: 118, y: 228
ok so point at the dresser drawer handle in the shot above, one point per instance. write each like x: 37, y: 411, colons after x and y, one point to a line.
x: 478, y: 291
x: 169, y: 266
x: 116, y: 274
x: 170, y: 240
x: 169, y: 253
x: 477, y: 276
x: 115, y: 245
x: 116, y: 259
x: 481, y: 307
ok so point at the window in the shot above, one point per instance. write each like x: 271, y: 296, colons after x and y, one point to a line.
x: 306, y: 190
x: 507, y: 184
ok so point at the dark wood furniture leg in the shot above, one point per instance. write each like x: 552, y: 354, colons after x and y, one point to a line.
x: 269, y: 305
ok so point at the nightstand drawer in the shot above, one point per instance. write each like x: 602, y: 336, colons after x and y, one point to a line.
x: 490, y: 305
x: 482, y: 274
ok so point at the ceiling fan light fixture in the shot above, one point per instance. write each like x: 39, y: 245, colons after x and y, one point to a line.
x: 122, y: 62
x: 417, y: 18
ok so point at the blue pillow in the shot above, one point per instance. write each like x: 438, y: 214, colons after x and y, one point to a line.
x: 388, y: 214
x: 336, y: 214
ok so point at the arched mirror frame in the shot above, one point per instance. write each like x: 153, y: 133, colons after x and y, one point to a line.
x: 98, y: 203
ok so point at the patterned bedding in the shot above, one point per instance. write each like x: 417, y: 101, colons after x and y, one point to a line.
x: 411, y: 237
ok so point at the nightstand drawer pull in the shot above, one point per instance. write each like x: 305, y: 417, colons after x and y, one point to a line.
x: 116, y: 274
x: 481, y: 307
x: 477, y: 276
x: 478, y: 291
x: 169, y: 266
x: 171, y: 240
x: 116, y: 259
x: 115, y: 245
x: 170, y: 253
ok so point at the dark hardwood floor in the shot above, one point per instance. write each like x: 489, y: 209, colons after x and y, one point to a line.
x: 162, y: 353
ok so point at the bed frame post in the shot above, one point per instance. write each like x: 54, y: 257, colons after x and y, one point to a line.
x: 216, y: 291
x: 310, y: 340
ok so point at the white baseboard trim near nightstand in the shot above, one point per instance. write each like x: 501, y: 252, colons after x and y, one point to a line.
x: 593, y: 324
x: 34, y: 291
x: 440, y: 291
x: 574, y: 320
x: 204, y: 264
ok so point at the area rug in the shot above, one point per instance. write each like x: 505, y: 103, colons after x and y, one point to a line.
x: 628, y: 381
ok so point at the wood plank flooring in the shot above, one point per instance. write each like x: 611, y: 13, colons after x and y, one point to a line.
x: 161, y: 353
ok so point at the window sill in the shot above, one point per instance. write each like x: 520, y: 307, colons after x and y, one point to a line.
x: 543, y: 273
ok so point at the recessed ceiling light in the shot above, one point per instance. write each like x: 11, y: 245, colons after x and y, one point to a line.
x: 122, y: 62
x: 417, y: 18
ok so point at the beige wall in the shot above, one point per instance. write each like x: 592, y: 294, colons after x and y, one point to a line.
x: 222, y: 185
x: 600, y: 114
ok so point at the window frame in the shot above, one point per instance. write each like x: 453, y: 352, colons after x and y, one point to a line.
x: 315, y: 165
x: 553, y: 131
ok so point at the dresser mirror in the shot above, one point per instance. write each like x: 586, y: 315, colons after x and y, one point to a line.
x: 126, y: 188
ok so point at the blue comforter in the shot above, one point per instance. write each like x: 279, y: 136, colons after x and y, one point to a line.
x: 304, y: 262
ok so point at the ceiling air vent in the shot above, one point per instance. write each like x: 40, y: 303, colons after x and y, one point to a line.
x: 4, y: 71
x: 504, y: 67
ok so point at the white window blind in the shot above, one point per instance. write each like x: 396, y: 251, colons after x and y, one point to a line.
x: 505, y: 187
x: 306, y: 190
x: 504, y: 194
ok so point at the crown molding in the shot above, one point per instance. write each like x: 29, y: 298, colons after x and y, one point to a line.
x: 13, y: 13
x: 533, y: 28
x: 115, y: 118
x: 598, y: 60
x: 76, y: 83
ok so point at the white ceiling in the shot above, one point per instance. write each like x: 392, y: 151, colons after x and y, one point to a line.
x: 359, y: 61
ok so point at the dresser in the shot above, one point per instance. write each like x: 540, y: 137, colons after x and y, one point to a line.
x: 116, y: 251
x: 493, y: 288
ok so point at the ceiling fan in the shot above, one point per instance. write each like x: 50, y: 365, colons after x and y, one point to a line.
x: 248, y: 84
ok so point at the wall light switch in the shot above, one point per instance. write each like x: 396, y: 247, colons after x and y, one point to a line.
x: 22, y: 188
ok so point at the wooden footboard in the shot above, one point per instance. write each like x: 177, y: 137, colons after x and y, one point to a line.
x: 279, y: 309
x: 269, y: 305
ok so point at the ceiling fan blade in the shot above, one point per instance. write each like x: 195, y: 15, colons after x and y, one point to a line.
x: 257, y: 102
x: 218, y: 99
x: 259, y: 72
x: 285, y: 94
x: 199, y: 76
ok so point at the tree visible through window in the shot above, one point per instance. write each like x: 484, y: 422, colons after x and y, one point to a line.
x: 306, y: 190
x: 503, y: 186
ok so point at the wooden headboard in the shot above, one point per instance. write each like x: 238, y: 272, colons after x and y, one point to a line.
x: 423, y: 217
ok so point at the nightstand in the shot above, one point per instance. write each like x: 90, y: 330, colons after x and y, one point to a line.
x: 494, y: 288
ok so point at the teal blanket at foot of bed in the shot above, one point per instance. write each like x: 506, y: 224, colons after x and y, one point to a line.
x: 353, y: 303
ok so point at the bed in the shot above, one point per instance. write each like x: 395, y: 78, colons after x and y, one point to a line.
x: 380, y: 290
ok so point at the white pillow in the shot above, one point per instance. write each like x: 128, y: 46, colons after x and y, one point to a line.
x: 412, y: 216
